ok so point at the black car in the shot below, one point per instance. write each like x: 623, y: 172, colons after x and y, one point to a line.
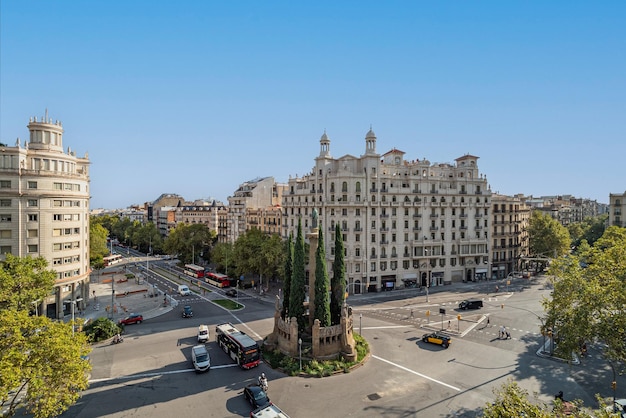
x: 231, y: 292
x: 187, y: 312
x: 256, y: 396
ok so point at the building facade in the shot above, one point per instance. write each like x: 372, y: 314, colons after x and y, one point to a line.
x: 44, y: 211
x: 405, y: 223
x: 617, y: 204
x: 509, y: 234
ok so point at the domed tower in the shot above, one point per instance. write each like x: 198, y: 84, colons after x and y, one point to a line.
x: 45, y: 135
x: 324, y: 145
x: 370, y: 142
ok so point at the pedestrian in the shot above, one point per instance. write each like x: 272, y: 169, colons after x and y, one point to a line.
x: 508, y: 335
x: 449, y: 324
x: 502, y: 331
x: 487, y: 321
x: 411, y: 313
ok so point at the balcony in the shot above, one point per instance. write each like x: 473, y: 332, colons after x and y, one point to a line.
x: 417, y: 215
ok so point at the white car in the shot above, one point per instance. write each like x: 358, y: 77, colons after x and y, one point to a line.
x: 619, y: 407
x: 203, y: 334
x: 200, y: 358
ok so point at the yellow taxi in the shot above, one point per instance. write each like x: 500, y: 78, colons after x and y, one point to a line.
x: 437, y: 338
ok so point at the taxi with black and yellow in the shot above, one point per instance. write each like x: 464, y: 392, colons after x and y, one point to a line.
x: 437, y: 338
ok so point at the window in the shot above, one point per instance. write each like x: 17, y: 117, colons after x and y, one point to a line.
x: 32, y: 217
x: 5, y: 218
x: 56, y: 247
x: 57, y: 217
x: 5, y: 184
x: 32, y: 203
x: 32, y: 248
x: 32, y: 233
x: 5, y: 233
x: 5, y: 203
x: 373, y: 237
x: 32, y: 184
x: 357, y: 252
x: 372, y: 266
x: 5, y: 249
x: 357, y: 268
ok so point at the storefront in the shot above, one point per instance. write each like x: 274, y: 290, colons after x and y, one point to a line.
x: 410, y: 280
x: 481, y: 274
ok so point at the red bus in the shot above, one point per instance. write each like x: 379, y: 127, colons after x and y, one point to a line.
x: 111, y: 259
x: 217, y: 279
x: 194, y: 271
x: 238, y: 345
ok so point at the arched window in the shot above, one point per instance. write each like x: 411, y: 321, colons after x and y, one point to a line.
x: 344, y: 187
x: 358, y: 187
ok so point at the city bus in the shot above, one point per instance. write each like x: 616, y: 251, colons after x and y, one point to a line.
x: 194, y: 271
x: 111, y: 259
x: 238, y: 345
x: 217, y: 279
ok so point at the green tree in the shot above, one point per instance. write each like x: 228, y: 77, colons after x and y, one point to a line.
x: 190, y: 242
x: 23, y: 281
x: 513, y: 401
x: 97, y: 244
x: 42, y: 358
x: 223, y: 256
x: 590, y: 230
x: 587, y: 303
x: 297, y: 290
x: 322, y: 285
x: 288, y: 273
x: 248, y: 251
x: 338, y: 282
x: 548, y: 238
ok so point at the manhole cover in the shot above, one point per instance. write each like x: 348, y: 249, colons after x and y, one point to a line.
x: 374, y: 397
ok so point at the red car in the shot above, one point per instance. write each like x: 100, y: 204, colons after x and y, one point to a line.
x: 131, y: 319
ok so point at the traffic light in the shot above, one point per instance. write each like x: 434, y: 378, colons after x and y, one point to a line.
x: 613, y: 385
x: 458, y: 317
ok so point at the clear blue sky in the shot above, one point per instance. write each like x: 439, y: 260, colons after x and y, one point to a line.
x: 196, y: 97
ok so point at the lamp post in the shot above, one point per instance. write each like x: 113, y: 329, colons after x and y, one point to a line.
x: 73, y: 303
x: 360, y: 321
x: 427, y: 278
x: 300, y: 351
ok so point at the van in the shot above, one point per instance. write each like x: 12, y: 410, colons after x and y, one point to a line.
x: 203, y: 334
x: 200, y: 358
x: 268, y: 411
x: 471, y: 304
x: 183, y: 290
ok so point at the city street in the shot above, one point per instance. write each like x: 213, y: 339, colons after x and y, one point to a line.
x: 150, y: 374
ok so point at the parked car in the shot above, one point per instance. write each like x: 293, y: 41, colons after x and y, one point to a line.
x: 437, y: 338
x: 187, y: 312
x: 268, y: 411
x: 133, y: 318
x: 256, y: 396
x: 203, y: 334
x: 231, y: 292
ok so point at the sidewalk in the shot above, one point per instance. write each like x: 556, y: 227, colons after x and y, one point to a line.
x: 131, y: 296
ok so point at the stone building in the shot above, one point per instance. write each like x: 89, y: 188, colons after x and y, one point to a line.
x: 617, y: 203
x: 44, y: 211
x: 509, y: 234
x: 406, y: 222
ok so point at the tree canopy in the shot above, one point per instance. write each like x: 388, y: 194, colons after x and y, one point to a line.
x: 548, y: 238
x: 322, y: 285
x: 338, y: 281
x: 190, y: 241
x: 588, y: 302
x: 40, y: 358
x: 297, y: 290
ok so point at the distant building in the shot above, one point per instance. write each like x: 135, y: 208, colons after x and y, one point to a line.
x: 44, y: 211
x: 405, y: 223
x: 617, y: 204
x: 566, y: 209
x: 260, y: 193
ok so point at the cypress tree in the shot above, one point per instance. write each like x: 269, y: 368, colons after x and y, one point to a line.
x: 322, y: 303
x: 287, y: 276
x: 338, y: 282
x: 297, y: 290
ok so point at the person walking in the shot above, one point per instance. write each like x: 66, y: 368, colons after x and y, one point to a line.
x: 411, y: 313
x: 487, y: 321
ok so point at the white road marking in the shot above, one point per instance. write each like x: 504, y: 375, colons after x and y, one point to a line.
x: 417, y: 373
x: 144, y: 375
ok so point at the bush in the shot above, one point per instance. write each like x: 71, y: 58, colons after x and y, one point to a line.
x: 101, y: 329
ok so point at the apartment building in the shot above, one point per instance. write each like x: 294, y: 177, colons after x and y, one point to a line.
x: 405, y: 223
x: 44, y: 211
x: 617, y: 204
x: 566, y: 209
x: 208, y: 215
x: 260, y: 193
x: 509, y: 234
x: 268, y: 220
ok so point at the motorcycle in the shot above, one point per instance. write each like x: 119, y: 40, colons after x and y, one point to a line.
x: 118, y: 339
x: 263, y: 384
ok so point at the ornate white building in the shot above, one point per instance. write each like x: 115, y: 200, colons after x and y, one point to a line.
x: 405, y: 222
x: 44, y: 211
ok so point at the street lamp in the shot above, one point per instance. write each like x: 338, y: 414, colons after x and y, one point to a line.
x: 73, y: 303
x: 300, y: 351
x: 427, y: 278
x: 360, y: 328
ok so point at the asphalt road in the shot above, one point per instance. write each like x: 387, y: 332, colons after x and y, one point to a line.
x: 150, y: 374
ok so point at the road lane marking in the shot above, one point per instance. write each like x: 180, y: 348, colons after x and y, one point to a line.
x: 144, y: 375
x: 417, y: 373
